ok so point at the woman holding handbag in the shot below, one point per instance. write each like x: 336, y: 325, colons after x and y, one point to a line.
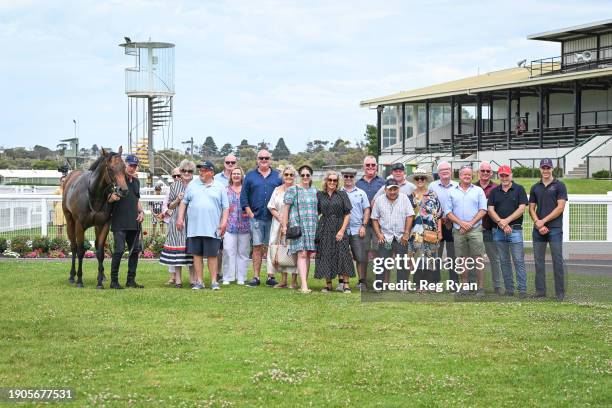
x: 427, y: 227
x: 279, y: 259
x: 300, y: 222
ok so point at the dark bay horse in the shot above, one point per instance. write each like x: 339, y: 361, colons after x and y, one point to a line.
x: 85, y: 204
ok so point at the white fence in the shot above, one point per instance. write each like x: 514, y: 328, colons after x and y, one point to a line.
x: 589, y: 216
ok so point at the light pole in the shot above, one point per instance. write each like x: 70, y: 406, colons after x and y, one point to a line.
x: 75, y: 126
x: 190, y: 143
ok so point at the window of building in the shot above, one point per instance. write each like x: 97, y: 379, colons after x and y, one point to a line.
x: 389, y: 137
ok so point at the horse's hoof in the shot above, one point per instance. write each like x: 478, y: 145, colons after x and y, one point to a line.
x: 79, y: 285
x: 100, y: 287
x: 71, y: 281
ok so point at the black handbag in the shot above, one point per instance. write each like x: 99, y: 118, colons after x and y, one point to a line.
x: 296, y: 231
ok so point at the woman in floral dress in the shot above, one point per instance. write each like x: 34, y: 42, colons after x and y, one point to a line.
x: 301, y: 209
x: 428, y: 217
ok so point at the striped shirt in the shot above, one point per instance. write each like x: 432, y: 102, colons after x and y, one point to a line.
x: 391, y: 215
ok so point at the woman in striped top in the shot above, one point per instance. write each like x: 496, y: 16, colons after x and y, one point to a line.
x: 174, y: 252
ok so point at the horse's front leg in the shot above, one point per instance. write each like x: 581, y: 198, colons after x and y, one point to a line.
x: 80, y: 250
x: 101, y: 234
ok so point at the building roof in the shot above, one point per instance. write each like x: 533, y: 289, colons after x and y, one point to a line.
x: 496, y: 80
x: 578, y: 31
x: 30, y: 173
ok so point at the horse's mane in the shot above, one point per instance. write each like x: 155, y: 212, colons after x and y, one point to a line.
x: 100, y: 159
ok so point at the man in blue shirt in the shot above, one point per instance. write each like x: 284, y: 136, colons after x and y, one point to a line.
x: 370, y: 183
x: 360, y: 216
x: 466, y: 206
x: 257, y: 188
x: 207, y: 206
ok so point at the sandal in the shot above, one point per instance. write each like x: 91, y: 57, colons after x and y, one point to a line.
x: 305, y: 291
x: 170, y: 282
x: 326, y: 289
x: 280, y: 286
x: 178, y: 285
x: 347, y: 289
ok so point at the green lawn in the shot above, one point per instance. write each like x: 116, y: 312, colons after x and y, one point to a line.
x: 245, y: 347
x: 574, y: 186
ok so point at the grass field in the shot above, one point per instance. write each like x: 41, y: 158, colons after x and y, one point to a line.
x: 245, y: 347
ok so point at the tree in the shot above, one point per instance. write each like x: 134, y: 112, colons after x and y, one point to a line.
x: 263, y: 145
x: 316, y: 146
x: 281, y: 151
x: 226, y: 150
x: 340, y: 146
x: 42, y: 152
x: 209, y: 148
x: 371, y: 140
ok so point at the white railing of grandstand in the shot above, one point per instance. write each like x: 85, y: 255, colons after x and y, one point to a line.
x: 587, y: 217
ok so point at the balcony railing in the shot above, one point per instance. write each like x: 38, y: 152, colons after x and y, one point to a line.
x: 572, y: 61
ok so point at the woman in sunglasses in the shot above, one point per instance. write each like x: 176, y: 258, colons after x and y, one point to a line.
x: 301, y: 210
x: 275, y: 205
x: 427, y: 227
x: 332, y: 240
x: 174, y: 253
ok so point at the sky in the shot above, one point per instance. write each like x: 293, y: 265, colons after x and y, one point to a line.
x: 255, y: 70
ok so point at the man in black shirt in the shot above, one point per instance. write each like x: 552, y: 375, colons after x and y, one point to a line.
x: 506, y: 207
x: 126, y: 216
x: 546, y: 204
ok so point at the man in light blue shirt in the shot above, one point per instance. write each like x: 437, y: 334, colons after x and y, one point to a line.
x: 206, y: 205
x: 229, y: 164
x: 441, y: 187
x: 360, y: 216
x: 466, y: 206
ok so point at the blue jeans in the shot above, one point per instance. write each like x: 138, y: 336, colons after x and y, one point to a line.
x: 555, y: 238
x: 511, y: 245
x: 493, y: 254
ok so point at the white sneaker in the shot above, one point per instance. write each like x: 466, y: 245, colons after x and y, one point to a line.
x: 215, y: 286
x: 340, y: 287
x: 226, y: 283
x: 241, y: 283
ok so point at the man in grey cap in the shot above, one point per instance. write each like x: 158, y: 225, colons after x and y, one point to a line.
x: 399, y: 175
x: 360, y: 216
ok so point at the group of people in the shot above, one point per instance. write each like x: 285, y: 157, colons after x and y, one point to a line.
x: 267, y: 213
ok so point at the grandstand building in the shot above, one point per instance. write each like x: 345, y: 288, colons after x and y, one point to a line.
x: 558, y: 107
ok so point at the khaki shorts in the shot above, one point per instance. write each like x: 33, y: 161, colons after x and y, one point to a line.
x: 469, y: 244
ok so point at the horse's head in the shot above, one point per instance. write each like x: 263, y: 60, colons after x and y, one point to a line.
x: 115, y: 167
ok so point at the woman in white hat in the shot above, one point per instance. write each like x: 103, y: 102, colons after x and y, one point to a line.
x: 427, y: 227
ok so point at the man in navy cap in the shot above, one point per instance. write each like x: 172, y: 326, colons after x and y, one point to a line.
x: 546, y: 204
x: 207, y: 208
x: 398, y: 173
x: 126, y: 217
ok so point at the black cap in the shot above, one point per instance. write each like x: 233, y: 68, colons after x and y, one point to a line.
x: 398, y: 166
x: 206, y: 165
x: 391, y: 183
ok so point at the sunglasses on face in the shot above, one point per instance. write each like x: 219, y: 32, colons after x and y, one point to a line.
x: 485, y: 171
x: 264, y: 158
x: 230, y: 162
x: 186, y: 171
x: 305, y: 175
x: 420, y: 178
x: 370, y: 165
x: 348, y: 176
x: 332, y: 180
x: 176, y: 175
x: 288, y: 174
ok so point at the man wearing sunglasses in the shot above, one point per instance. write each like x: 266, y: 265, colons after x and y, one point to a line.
x: 360, y: 217
x: 485, y: 172
x: 229, y: 163
x: 257, y: 189
x: 547, y: 200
